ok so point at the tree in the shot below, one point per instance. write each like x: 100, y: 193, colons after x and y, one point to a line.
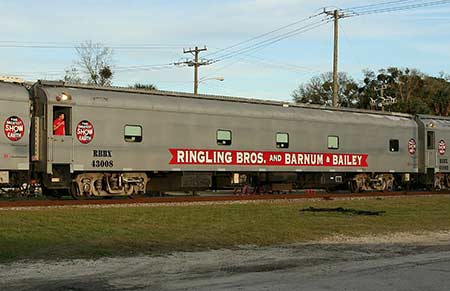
x: 404, y: 87
x: 72, y: 76
x: 438, y: 92
x: 95, y: 61
x: 141, y: 86
x: 403, y: 90
x: 319, y: 90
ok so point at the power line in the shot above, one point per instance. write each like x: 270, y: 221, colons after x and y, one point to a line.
x: 355, y: 56
x: 76, y: 47
x: 273, y: 40
x: 397, y: 8
x: 276, y: 64
x: 73, y: 45
x: 115, y: 69
x: 378, y: 4
x: 264, y: 34
x: 145, y: 67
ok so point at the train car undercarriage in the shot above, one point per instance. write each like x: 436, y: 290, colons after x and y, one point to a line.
x: 108, y: 184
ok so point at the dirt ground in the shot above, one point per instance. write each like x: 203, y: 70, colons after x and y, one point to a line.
x: 243, y: 268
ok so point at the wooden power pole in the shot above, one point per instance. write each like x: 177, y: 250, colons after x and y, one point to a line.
x: 335, y: 58
x: 336, y: 14
x: 196, y: 63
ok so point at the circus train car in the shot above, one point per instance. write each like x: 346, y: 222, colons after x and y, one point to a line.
x: 123, y: 142
x: 14, y: 139
x: 434, y: 133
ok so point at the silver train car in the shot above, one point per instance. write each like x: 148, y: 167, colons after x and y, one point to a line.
x: 117, y: 141
x: 14, y: 139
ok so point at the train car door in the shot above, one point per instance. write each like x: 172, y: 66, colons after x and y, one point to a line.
x: 430, y: 153
x: 61, y: 135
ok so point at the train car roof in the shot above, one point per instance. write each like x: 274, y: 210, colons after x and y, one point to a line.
x: 13, y: 91
x: 212, y: 104
x: 432, y: 121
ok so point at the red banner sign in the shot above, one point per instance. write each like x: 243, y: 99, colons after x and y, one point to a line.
x: 262, y: 158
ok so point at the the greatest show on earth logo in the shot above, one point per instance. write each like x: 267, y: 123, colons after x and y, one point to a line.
x: 412, y: 146
x: 85, y: 132
x: 442, y: 147
x: 14, y: 128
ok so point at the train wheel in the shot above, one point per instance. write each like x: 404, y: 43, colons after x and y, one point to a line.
x: 447, y: 181
x: 354, y: 188
x: 129, y: 189
x: 75, y: 192
x: 383, y: 185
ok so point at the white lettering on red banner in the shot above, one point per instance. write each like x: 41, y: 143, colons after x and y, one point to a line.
x: 14, y: 128
x: 85, y: 132
x: 262, y: 158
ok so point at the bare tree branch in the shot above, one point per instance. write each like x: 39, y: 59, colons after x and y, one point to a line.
x: 95, y: 60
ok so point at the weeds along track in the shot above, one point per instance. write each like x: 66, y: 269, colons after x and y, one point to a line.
x: 173, y: 199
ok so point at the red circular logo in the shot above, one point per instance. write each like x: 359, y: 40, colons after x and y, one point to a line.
x: 85, y: 132
x: 412, y: 146
x: 14, y: 128
x: 442, y: 147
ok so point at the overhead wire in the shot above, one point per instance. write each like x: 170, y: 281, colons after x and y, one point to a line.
x: 273, y: 40
x: 243, y: 47
x: 379, y: 4
x: 37, y: 46
x: 395, y: 8
x: 264, y: 34
x: 72, y: 44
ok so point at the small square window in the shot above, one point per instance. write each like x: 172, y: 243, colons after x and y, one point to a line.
x: 133, y: 133
x: 282, y: 140
x: 224, y: 137
x: 333, y: 142
x: 394, y: 145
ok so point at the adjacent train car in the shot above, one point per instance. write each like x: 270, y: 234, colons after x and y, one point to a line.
x: 14, y: 139
x: 434, y: 132
x: 123, y: 142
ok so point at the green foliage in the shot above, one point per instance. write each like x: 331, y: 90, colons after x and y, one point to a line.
x: 394, y: 89
x: 320, y: 90
x: 141, y: 86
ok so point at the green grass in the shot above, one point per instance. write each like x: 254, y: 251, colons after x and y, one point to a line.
x: 93, y: 233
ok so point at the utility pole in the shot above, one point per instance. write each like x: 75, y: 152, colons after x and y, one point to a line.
x: 336, y: 14
x: 196, y: 63
x: 381, y: 89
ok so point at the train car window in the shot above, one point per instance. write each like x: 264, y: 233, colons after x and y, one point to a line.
x: 430, y: 140
x: 62, y: 120
x: 133, y: 133
x: 223, y: 137
x: 394, y: 145
x: 333, y: 142
x: 282, y: 140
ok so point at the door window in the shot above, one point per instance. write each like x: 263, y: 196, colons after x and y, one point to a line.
x: 62, y: 120
x: 430, y: 140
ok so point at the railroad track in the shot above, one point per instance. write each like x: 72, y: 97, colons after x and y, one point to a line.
x: 211, y: 198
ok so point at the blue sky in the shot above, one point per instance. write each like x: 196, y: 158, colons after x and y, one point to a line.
x: 417, y: 38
